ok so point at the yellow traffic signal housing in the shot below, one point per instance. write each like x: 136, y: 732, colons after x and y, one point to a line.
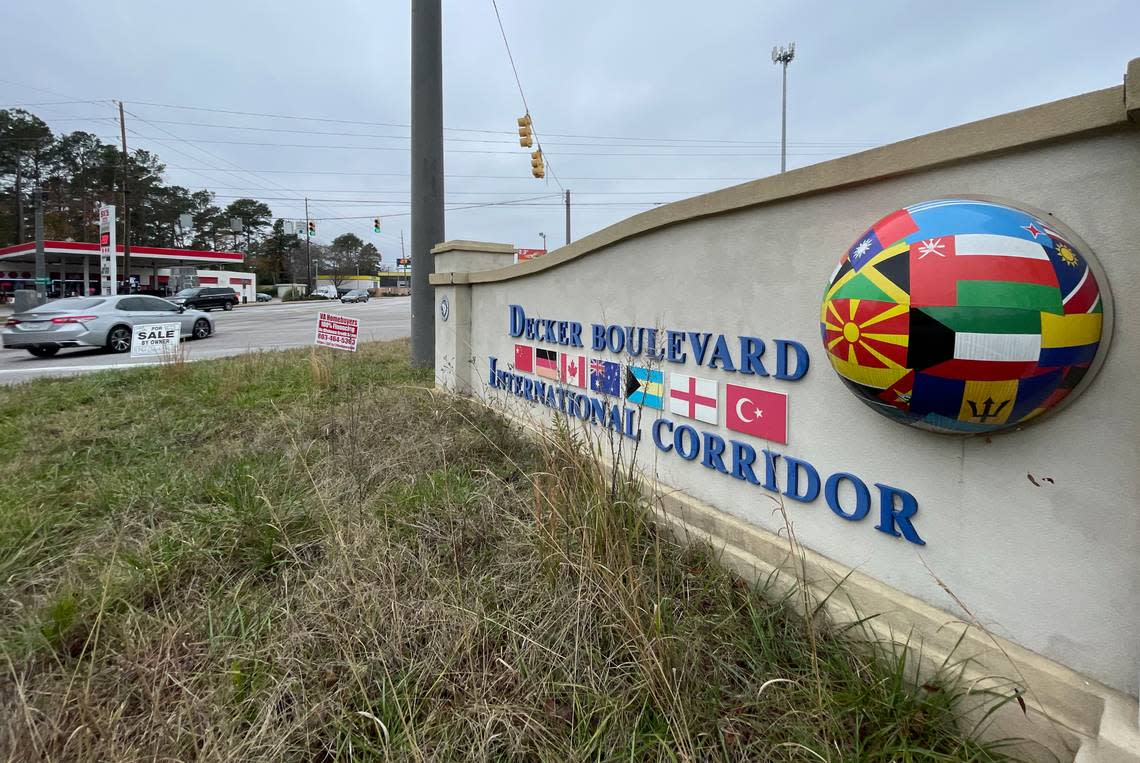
x: 536, y: 167
x: 526, y: 134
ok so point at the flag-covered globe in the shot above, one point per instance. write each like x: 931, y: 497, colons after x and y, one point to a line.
x: 962, y: 316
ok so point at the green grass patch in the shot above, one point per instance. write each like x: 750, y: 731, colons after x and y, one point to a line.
x: 315, y: 556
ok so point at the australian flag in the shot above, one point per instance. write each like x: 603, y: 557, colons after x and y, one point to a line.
x: 605, y: 377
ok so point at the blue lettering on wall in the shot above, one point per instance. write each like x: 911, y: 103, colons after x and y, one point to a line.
x: 810, y: 489
x: 741, y: 461
x: 751, y: 349
x: 862, y: 496
x: 891, y: 521
x: 801, y: 358
x: 802, y: 481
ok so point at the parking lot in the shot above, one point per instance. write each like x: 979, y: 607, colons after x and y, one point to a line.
x: 250, y: 328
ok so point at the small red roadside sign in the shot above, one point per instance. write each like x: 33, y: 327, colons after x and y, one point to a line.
x: 528, y: 254
x: 337, y: 331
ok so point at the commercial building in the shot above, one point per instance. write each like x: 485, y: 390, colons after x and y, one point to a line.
x: 73, y: 267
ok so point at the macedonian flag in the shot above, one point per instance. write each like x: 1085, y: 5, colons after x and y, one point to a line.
x: 867, y: 339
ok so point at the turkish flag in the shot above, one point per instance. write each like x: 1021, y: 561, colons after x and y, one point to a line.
x: 756, y: 412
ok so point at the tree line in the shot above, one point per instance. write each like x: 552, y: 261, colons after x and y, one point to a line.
x: 77, y: 172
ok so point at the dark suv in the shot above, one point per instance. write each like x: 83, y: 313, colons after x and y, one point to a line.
x: 206, y: 298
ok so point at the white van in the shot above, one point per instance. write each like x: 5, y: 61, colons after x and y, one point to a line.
x: 326, y: 291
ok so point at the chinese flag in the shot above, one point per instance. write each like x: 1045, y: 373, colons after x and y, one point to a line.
x: 524, y: 358
x: 756, y: 412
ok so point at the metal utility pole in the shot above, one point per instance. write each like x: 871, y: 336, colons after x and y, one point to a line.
x: 784, y: 56
x: 427, y: 171
x: 308, y: 249
x: 41, y: 264
x: 567, y: 217
x: 126, y: 203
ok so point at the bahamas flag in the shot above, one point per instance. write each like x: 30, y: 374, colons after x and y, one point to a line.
x: 644, y: 386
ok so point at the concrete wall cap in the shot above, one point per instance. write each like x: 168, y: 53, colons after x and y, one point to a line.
x: 1098, y: 111
x: 1132, y: 90
x: 473, y: 246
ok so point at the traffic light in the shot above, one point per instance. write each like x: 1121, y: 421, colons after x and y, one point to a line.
x: 526, y: 139
x: 536, y: 167
x: 312, y: 227
x: 375, y: 224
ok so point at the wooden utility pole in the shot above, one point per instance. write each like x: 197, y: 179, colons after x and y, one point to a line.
x: 126, y: 203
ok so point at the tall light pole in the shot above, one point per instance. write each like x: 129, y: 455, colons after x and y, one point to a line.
x: 543, y: 235
x: 784, y: 56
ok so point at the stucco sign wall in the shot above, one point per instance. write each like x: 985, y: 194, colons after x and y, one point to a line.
x: 632, y: 391
x: 913, y: 350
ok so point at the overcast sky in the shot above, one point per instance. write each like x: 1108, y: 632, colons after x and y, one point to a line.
x: 615, y: 78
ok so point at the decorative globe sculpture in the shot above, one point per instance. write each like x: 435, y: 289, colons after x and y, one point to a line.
x: 962, y: 316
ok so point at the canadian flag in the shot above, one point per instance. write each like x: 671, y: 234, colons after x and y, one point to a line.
x: 573, y: 370
x: 756, y: 412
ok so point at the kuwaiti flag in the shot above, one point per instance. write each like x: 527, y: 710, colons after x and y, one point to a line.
x: 983, y: 270
x: 546, y: 363
x: 693, y: 397
x: 572, y: 370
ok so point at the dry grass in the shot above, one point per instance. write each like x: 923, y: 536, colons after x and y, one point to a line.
x: 302, y: 556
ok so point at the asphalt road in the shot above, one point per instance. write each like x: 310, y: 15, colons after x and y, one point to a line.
x: 250, y: 328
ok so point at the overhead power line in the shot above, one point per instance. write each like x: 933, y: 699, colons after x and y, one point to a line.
x: 487, y: 151
x: 492, y: 177
x: 713, y: 144
x: 366, y: 123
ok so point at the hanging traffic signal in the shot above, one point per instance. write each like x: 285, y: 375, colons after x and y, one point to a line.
x: 536, y: 167
x: 375, y: 224
x: 526, y: 135
x: 312, y: 227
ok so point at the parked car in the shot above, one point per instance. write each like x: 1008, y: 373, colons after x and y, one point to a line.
x: 97, y: 322
x: 263, y: 297
x: 328, y: 291
x: 206, y: 298
x: 355, y: 295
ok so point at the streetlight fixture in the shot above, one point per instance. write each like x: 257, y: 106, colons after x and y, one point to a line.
x: 784, y: 56
x: 543, y: 235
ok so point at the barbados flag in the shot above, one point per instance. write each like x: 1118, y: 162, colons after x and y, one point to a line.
x: 645, y: 386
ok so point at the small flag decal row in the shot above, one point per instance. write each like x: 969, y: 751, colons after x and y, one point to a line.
x: 748, y: 410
